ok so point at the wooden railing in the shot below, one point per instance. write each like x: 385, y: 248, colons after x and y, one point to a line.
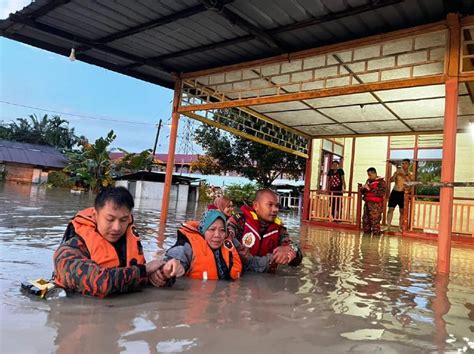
x: 424, y: 214
x: 331, y: 207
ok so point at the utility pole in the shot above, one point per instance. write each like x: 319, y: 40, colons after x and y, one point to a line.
x: 156, y: 141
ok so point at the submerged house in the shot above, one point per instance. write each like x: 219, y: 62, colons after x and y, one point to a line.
x: 150, y: 186
x: 29, y: 163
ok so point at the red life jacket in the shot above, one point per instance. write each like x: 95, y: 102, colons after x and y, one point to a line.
x: 259, y: 245
x: 102, y: 251
x: 370, y: 195
x: 203, y: 265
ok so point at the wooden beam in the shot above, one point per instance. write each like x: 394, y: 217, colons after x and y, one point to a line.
x: 467, y: 21
x: 243, y: 135
x: 368, y: 135
x: 170, y: 162
x: 238, y: 21
x: 449, y: 146
x: 386, y: 85
x: 432, y: 27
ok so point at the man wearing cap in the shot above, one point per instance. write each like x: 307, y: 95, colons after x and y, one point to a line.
x: 264, y: 241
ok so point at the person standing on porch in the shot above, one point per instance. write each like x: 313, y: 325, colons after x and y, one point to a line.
x: 374, y: 192
x: 397, y: 196
x: 337, y: 184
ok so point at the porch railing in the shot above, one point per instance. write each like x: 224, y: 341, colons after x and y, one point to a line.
x: 332, y: 207
x: 424, y: 214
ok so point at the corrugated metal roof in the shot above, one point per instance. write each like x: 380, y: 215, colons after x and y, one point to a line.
x: 31, y: 154
x: 150, y: 39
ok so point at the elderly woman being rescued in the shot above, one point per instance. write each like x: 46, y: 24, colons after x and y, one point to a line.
x: 203, y: 250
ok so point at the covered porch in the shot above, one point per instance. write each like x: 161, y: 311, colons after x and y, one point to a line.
x: 320, y: 80
x: 367, y: 103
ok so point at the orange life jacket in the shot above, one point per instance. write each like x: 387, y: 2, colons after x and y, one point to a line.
x: 203, y: 264
x: 370, y: 195
x: 102, y: 251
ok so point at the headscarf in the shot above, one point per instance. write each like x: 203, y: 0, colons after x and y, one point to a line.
x: 221, y: 203
x: 208, y: 219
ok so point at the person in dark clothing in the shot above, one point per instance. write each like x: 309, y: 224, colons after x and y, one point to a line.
x: 337, y: 185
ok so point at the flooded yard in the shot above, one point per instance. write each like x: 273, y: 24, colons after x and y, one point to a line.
x: 353, y: 294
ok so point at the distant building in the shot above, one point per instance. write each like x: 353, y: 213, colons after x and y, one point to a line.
x: 182, y: 162
x: 149, y: 186
x: 29, y: 163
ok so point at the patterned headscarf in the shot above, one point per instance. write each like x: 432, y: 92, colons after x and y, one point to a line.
x: 208, y: 219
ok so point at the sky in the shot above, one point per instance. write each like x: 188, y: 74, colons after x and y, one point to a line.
x: 106, y: 100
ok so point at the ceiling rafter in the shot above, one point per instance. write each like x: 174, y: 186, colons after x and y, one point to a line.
x: 374, y: 95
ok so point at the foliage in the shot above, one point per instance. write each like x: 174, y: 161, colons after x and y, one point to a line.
x: 206, y: 165
x: 428, y: 171
x: 44, y: 131
x: 204, y: 195
x: 134, y: 162
x: 241, y: 194
x: 59, y: 179
x: 253, y: 160
x: 91, y: 165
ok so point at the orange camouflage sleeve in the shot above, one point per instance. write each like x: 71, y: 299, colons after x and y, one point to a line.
x: 75, y: 271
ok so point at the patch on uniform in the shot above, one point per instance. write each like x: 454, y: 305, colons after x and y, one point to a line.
x: 248, y: 240
x: 228, y: 245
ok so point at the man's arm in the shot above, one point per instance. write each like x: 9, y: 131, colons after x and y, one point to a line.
x: 394, y: 176
x: 252, y: 263
x: 235, y: 226
x: 381, y: 188
x: 74, y: 270
x: 183, y: 253
x: 285, y: 240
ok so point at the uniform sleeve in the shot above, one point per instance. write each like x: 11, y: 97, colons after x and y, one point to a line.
x: 381, y: 188
x: 286, y: 240
x: 181, y: 252
x: 75, y: 271
x: 235, y: 227
x: 252, y: 263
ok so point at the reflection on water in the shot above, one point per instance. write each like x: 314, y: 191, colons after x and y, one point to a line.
x: 352, y: 293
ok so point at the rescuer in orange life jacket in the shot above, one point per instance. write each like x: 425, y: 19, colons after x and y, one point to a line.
x: 101, y: 253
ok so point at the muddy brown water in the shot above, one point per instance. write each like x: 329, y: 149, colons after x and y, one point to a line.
x: 353, y: 294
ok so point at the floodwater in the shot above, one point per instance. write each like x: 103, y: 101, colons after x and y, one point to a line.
x: 353, y: 294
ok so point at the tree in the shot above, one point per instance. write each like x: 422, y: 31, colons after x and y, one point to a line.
x: 134, y: 162
x: 44, y: 131
x: 91, y: 165
x: 253, y: 160
x: 206, y: 165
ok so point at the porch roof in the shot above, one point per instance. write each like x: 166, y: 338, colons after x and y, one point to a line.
x: 150, y: 40
x: 274, y: 71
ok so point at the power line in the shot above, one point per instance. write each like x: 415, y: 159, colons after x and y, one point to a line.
x: 78, y: 115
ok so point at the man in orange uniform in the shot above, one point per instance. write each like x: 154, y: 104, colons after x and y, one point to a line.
x: 101, y: 253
